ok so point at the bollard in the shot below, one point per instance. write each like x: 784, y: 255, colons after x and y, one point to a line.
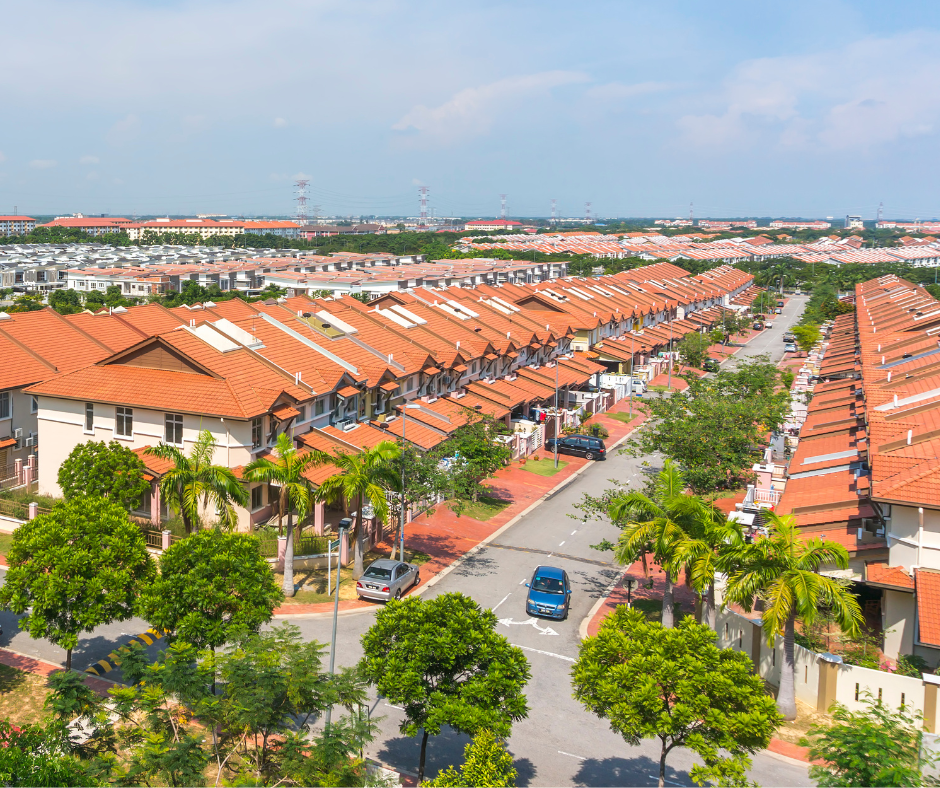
x: 165, y: 540
x: 33, y: 511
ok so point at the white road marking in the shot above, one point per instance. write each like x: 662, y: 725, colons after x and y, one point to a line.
x: 506, y: 622
x: 400, y: 708
x: 522, y: 581
x: 546, y: 653
x: 572, y: 533
x: 667, y: 781
x: 562, y: 544
x: 502, y: 600
x: 572, y: 755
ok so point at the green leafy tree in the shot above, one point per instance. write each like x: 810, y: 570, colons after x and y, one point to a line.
x: 443, y: 661
x: 693, y: 349
x: 876, y: 747
x: 74, y: 569
x: 65, y: 302
x: 287, y: 472
x: 714, y: 429
x: 109, y: 470
x: 40, y: 755
x: 485, y: 763
x: 678, y: 686
x: 212, y: 586
x: 807, y: 336
x: 474, y: 455
x: 782, y: 570
x: 195, y: 481
x: 660, y: 525
x: 362, y: 477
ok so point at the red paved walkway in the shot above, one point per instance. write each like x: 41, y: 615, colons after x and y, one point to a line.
x: 446, y: 537
x: 42, y: 668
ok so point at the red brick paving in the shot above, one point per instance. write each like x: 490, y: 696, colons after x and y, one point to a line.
x: 43, y: 668
x: 446, y: 537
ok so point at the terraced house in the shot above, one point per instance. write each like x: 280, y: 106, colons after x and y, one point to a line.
x: 334, y: 373
x: 866, y: 472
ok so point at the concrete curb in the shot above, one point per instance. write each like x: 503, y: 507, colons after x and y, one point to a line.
x: 473, y: 550
x: 586, y: 621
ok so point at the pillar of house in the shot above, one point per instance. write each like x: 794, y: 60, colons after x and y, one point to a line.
x: 31, y: 461
x: 27, y: 476
x: 18, y: 470
x: 165, y: 540
x: 409, y: 515
x: 344, y: 550
x: 319, y: 517
x: 828, y: 680
x: 931, y: 683
x: 33, y: 511
x: 155, y: 505
x: 757, y: 638
x: 281, y: 553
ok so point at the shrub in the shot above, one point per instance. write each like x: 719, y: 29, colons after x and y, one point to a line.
x: 912, y: 665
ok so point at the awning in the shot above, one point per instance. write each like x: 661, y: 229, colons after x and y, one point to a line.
x: 490, y: 356
x: 553, y: 344
x: 430, y: 370
x: 460, y: 368
x: 390, y: 385
x: 512, y: 354
x: 7, y: 442
x: 285, y: 412
x: 348, y: 392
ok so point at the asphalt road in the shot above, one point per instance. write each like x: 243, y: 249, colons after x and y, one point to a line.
x: 559, y: 743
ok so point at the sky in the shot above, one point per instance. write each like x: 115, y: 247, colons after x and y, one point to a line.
x: 809, y: 109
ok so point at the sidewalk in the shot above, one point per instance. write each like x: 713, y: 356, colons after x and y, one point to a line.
x: 40, y: 667
x: 446, y: 537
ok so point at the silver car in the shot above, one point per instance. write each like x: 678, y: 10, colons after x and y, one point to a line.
x: 386, y: 579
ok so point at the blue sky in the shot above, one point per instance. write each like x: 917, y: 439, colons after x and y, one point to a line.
x: 215, y: 106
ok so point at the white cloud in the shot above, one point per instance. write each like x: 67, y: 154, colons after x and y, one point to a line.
x: 89, y: 160
x: 869, y: 93
x: 125, y: 130
x: 472, y: 112
x: 91, y: 176
x: 2, y: 158
x: 279, y: 123
x: 42, y: 164
x: 617, y: 91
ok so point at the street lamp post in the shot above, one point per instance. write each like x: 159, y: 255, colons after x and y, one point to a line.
x: 631, y: 373
x: 669, y: 385
x: 343, y: 526
x: 556, y: 413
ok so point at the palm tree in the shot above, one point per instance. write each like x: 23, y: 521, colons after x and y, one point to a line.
x: 194, y: 479
x: 658, y: 525
x: 782, y: 570
x: 364, y: 477
x: 287, y: 472
x: 712, y: 536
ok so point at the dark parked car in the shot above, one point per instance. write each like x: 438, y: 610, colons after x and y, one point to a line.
x: 711, y: 365
x: 385, y: 579
x: 580, y: 445
x: 549, y: 593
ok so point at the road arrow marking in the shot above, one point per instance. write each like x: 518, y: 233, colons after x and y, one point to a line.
x: 528, y: 622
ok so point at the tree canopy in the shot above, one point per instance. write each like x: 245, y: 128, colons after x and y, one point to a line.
x: 486, y: 764
x: 74, y: 569
x: 678, y: 686
x: 442, y: 660
x: 714, y: 429
x: 110, y: 470
x: 693, y: 349
x: 212, y: 586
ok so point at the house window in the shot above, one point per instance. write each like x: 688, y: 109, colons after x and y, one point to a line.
x: 124, y: 422
x: 319, y: 407
x: 34, y: 404
x: 301, y: 413
x: 174, y: 428
x: 257, y: 434
x: 89, y: 417
x: 257, y: 497
x: 4, y: 404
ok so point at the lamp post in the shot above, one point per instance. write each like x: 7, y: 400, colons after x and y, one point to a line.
x: 669, y: 385
x: 401, y: 531
x: 343, y: 527
x: 631, y: 373
x: 556, y: 413
x: 630, y: 584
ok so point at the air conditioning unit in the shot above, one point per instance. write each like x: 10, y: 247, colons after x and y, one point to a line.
x: 350, y: 425
x: 343, y: 425
x: 31, y: 442
x: 18, y: 434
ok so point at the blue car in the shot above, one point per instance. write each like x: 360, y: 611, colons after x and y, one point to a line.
x: 549, y: 593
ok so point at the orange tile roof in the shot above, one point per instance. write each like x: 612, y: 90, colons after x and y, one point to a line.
x: 927, y: 583
x: 880, y: 573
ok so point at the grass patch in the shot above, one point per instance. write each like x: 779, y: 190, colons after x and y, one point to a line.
x: 626, y: 418
x: 5, y: 541
x: 717, y: 496
x: 658, y: 389
x: 21, y: 696
x: 653, y: 609
x: 311, y: 584
x: 417, y: 557
x: 485, y: 508
x: 543, y: 467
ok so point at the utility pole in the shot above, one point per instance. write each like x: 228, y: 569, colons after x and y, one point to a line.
x: 502, y: 207
x: 554, y: 214
x: 423, y: 191
x: 301, y: 186
x: 344, y: 525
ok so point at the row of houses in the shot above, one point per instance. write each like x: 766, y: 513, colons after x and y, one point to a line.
x: 334, y: 373
x: 865, y: 472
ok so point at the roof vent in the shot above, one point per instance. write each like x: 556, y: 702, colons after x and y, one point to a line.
x: 5, y: 316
